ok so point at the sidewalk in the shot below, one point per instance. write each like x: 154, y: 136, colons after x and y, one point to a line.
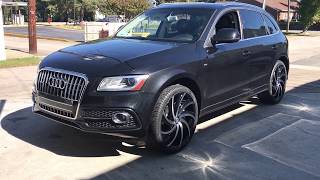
x: 45, y: 47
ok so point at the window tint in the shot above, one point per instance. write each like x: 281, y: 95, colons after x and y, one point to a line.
x: 253, y: 24
x: 229, y: 20
x: 271, y: 27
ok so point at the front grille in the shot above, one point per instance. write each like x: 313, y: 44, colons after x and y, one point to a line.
x: 56, y: 111
x: 62, y: 84
x: 103, y: 119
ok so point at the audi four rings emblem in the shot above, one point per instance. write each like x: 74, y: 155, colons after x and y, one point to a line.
x: 57, y: 82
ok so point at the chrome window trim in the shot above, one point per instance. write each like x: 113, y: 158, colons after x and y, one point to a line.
x: 76, y: 116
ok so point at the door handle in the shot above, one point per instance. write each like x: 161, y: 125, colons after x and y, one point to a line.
x: 246, y: 53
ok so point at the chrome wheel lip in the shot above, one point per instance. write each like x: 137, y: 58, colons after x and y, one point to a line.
x: 278, y: 81
x: 178, y: 125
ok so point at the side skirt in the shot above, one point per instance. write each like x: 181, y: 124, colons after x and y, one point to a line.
x: 233, y: 100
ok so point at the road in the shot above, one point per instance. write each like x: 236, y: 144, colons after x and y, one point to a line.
x: 247, y: 141
x: 49, y: 31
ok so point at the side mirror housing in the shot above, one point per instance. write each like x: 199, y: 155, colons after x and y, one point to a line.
x: 226, y: 35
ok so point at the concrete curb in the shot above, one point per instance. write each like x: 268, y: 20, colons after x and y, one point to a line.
x: 39, y: 37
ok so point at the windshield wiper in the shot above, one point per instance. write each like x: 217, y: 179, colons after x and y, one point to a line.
x: 132, y: 37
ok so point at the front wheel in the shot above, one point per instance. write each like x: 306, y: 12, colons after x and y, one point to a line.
x: 174, y: 119
x: 277, y: 85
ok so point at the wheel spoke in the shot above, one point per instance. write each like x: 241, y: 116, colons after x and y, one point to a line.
x: 274, y: 90
x: 187, y: 114
x: 279, y: 91
x: 174, y: 138
x: 167, y: 119
x: 181, y: 138
x: 187, y: 125
x: 184, y: 106
x: 170, y: 131
x: 180, y: 99
x: 274, y: 77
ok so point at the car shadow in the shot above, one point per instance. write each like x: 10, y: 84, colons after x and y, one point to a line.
x: 67, y: 141
x: 57, y: 138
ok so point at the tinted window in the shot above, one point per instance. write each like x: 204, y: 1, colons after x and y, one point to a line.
x: 229, y: 20
x: 271, y: 27
x: 253, y: 24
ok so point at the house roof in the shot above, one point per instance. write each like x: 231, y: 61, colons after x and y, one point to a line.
x: 281, y: 5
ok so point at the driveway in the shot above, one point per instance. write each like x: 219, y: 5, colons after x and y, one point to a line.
x: 246, y: 141
x: 51, y: 32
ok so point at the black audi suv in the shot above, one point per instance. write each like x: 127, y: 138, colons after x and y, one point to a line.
x: 163, y: 70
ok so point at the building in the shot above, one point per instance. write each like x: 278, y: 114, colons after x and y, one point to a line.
x: 278, y: 8
x: 14, y: 12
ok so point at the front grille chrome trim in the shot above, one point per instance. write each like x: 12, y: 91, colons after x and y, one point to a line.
x: 74, y: 92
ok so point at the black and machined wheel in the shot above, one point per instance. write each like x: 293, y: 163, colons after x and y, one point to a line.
x: 174, y: 119
x: 277, y: 85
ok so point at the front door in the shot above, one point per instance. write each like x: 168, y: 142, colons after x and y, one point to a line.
x: 226, y: 71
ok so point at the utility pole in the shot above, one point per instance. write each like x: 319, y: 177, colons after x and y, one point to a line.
x: 74, y: 12
x: 2, y: 50
x: 32, y: 27
x: 264, y: 4
x: 289, y: 13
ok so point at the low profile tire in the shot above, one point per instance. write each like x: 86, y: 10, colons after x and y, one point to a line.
x: 277, y: 85
x: 174, y: 119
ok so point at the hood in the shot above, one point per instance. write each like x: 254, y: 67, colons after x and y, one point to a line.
x: 120, y: 49
x: 111, y: 57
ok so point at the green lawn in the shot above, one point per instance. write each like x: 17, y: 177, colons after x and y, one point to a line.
x: 69, y: 27
x: 29, y: 61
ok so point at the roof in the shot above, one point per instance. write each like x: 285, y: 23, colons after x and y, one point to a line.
x: 206, y: 5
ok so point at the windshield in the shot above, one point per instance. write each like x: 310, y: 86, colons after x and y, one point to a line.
x: 184, y: 25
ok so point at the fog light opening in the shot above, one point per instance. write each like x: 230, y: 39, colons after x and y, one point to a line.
x: 121, y: 118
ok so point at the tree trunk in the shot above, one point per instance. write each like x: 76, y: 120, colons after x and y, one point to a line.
x: 288, y: 18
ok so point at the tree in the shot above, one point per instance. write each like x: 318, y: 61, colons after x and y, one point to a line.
x: 129, y: 8
x: 310, y: 13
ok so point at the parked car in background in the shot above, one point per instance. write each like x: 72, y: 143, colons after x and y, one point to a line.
x: 163, y: 70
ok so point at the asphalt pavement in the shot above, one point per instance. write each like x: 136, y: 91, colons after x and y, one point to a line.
x: 50, y: 32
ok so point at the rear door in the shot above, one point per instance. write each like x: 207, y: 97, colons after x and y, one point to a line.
x: 258, y: 51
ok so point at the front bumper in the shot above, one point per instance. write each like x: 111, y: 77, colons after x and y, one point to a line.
x: 93, y: 113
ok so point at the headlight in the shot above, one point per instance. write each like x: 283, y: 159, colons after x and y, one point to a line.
x: 123, y: 83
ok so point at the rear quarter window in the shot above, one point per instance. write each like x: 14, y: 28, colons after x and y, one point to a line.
x: 253, y: 24
x: 270, y: 26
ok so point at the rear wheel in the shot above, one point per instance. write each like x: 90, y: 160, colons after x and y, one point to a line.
x: 174, y: 119
x: 277, y: 85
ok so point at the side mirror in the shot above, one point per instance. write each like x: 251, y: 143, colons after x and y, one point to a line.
x: 226, y: 35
